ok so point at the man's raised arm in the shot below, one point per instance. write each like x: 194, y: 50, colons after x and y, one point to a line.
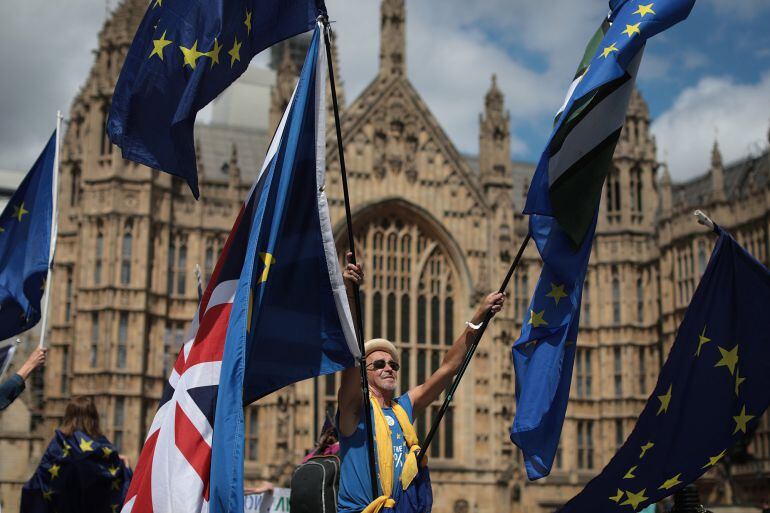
x: 424, y: 394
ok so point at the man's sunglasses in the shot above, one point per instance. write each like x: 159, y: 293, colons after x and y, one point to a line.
x: 380, y: 364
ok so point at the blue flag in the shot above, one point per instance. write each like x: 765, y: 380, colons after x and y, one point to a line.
x: 184, y: 54
x: 563, y: 203
x: 26, y: 228
x: 711, y: 392
x: 290, y: 319
x: 76, y: 474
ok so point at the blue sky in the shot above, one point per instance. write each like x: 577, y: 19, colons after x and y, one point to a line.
x: 708, y: 75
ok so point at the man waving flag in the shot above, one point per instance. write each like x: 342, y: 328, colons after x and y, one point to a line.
x: 563, y: 202
x: 184, y: 54
x: 275, y: 312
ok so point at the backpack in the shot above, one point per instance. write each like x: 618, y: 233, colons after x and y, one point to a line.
x: 314, y: 485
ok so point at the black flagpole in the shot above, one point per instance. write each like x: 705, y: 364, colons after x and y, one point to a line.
x: 468, y: 357
x: 351, y: 243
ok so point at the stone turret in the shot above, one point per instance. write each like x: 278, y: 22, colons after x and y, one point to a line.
x: 495, y: 140
x: 665, y: 191
x: 717, y: 173
x: 286, y: 78
x: 393, y: 38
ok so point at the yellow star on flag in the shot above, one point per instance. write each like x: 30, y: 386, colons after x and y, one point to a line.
x: 19, y: 211
x: 247, y: 22
x: 2, y: 229
x: 631, y: 30
x: 670, y: 483
x: 702, y: 339
x: 729, y: 358
x: 115, y: 485
x: 66, y: 450
x: 536, y: 319
x: 268, y: 260
x: 86, y: 445
x: 738, y: 381
x: 741, y: 421
x: 159, y: 45
x: 113, y: 470
x: 646, y: 447
x: 630, y: 473
x: 54, y: 471
x: 214, y: 53
x: 106, y: 452
x: 644, y: 10
x: 714, y: 459
x: 235, y: 52
x: 158, y: 3
x: 608, y: 50
x: 634, y: 499
x: 114, y: 508
x: 557, y: 293
x: 191, y: 55
x: 47, y: 495
x: 665, y: 399
x: 619, y: 496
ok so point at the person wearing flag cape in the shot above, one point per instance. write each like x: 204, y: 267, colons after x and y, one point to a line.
x: 402, y: 486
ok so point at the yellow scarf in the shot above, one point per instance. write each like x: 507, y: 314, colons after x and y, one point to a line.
x: 385, y: 454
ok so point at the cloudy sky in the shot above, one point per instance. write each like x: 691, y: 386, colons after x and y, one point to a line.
x: 708, y: 77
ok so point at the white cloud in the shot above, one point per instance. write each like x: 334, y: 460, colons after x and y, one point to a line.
x: 737, y: 114
x: 453, y: 50
x: 45, y: 55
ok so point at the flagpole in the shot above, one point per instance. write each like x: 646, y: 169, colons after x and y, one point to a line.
x: 54, y: 231
x: 351, y: 244
x: 469, y: 356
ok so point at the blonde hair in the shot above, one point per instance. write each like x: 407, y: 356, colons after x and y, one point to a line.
x: 81, y: 415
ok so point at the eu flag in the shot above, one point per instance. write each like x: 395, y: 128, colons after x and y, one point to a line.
x: 563, y: 202
x: 26, y: 233
x: 290, y: 318
x: 711, y: 392
x: 184, y: 54
x: 77, y: 473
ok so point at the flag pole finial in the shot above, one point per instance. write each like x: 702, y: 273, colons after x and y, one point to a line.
x: 704, y: 219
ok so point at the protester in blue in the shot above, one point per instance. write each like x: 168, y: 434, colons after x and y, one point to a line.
x: 396, y: 443
x: 12, y: 387
x: 80, y: 471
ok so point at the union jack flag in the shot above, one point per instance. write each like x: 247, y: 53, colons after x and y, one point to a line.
x: 274, y: 312
x: 172, y: 473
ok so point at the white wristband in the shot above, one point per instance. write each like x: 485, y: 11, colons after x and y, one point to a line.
x: 473, y: 326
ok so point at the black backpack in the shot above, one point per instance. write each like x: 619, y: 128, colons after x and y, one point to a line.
x: 314, y: 485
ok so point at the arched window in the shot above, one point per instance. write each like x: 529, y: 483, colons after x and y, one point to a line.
x: 414, y: 293
x: 449, y: 309
x: 125, y: 254
x: 701, y: 257
x: 639, y: 301
x: 421, y: 319
x: 181, y: 270
x: 391, y: 317
x: 376, y: 315
x: 405, y: 318
x: 615, y: 301
x: 586, y: 320
x: 99, y: 254
x: 171, y: 261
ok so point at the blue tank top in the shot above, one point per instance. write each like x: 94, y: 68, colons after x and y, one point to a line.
x: 355, y: 484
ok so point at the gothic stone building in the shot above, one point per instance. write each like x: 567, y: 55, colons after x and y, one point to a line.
x: 436, y: 231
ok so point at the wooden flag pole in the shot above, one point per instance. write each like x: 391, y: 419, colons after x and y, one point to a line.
x: 54, y: 230
x: 469, y: 356
x: 351, y: 244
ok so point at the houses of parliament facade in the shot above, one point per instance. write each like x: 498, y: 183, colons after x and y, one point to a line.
x: 436, y: 230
